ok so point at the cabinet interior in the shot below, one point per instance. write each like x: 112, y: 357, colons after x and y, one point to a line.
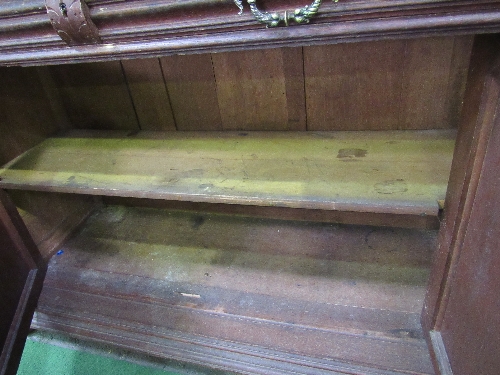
x: 285, y: 200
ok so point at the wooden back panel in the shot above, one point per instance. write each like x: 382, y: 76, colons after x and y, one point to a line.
x: 383, y: 85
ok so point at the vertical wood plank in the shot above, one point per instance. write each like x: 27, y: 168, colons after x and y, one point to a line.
x: 191, y: 86
x: 54, y: 97
x: 425, y: 85
x: 353, y: 86
x: 22, y: 271
x: 26, y: 116
x: 293, y: 69
x: 252, y: 89
x: 51, y: 217
x: 460, y: 61
x: 467, y: 315
x: 477, y: 121
x: 96, y: 95
x: 149, y: 94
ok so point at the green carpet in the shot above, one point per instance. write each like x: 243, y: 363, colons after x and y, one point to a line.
x: 43, y: 358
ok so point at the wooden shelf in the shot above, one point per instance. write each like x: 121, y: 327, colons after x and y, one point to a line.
x: 293, y: 291
x: 398, y: 172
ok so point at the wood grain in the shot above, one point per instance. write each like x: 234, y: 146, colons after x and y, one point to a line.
x: 96, y: 95
x: 149, y: 93
x: 469, y: 307
x: 293, y: 69
x: 22, y: 271
x: 353, y: 86
x: 405, y: 84
x: 425, y: 83
x: 462, y: 299
x: 384, y: 172
x: 191, y: 86
x: 459, y: 69
x: 475, y: 126
x: 152, y: 28
x: 255, y: 92
x: 51, y: 217
x: 265, y: 283
x: 26, y: 116
x: 286, y: 213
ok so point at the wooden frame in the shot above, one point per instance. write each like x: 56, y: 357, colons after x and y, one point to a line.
x: 171, y: 27
x: 148, y: 28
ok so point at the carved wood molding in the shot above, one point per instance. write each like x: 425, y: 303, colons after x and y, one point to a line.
x: 144, y: 28
x: 71, y: 20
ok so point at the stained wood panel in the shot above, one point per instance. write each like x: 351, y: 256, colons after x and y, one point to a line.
x: 26, y: 116
x: 260, y: 90
x: 383, y: 172
x: 191, y: 86
x: 149, y: 94
x: 51, y: 217
x: 425, y: 83
x: 309, y: 289
x: 96, y: 95
x: 286, y: 213
x: 353, y: 86
x: 475, y: 126
x: 293, y: 68
x: 462, y: 302
x: 412, y: 84
x: 21, y: 275
x: 459, y: 69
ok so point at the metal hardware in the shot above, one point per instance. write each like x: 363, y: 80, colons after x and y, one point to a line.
x: 299, y: 16
x: 63, y: 8
x: 71, y: 20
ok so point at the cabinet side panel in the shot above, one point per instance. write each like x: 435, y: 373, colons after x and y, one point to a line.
x: 464, y: 172
x: 471, y: 323
x: 96, y: 95
x: 26, y: 117
x: 52, y: 217
x: 21, y: 276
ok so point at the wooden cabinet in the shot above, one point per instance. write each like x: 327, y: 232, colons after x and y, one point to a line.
x: 197, y: 187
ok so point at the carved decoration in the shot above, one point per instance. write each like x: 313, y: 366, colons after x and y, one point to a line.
x: 71, y: 20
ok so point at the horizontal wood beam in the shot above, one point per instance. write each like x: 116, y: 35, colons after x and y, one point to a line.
x: 150, y: 28
x: 393, y: 172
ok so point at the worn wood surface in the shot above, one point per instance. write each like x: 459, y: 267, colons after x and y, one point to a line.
x: 424, y: 83
x: 475, y: 126
x: 384, y: 172
x: 96, y: 95
x: 462, y: 302
x: 193, y: 93
x: 404, y: 84
x: 21, y: 275
x: 151, y: 28
x: 51, y: 218
x: 385, y: 85
x: 149, y: 94
x: 260, y: 90
x: 286, y: 213
x: 26, y: 117
x: 471, y: 310
x: 351, y: 293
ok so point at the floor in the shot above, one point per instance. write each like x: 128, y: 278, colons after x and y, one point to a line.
x: 46, y: 354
